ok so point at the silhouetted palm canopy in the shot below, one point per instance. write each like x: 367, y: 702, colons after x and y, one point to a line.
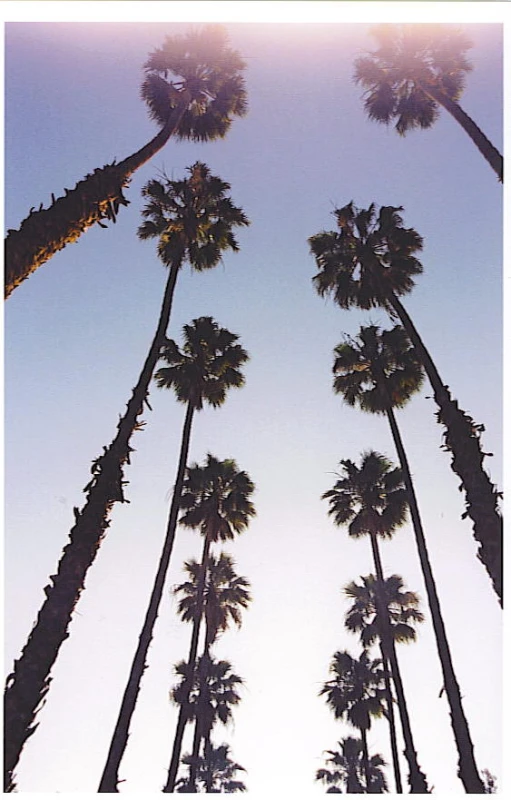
x: 225, y: 594
x: 214, y: 692
x: 347, y: 769
x: 370, y: 498
x: 377, y: 370
x: 193, y: 87
x: 355, y: 690
x: 216, y: 499
x: 216, y: 771
x: 205, y: 367
x: 402, y: 607
x: 414, y: 70
x: 193, y: 218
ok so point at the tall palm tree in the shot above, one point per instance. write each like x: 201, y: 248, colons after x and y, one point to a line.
x: 200, y: 218
x: 193, y: 88
x: 224, y: 595
x: 379, y: 372
x: 216, y: 772
x: 415, y: 70
x: 355, y: 693
x: 383, y: 611
x: 201, y: 372
x: 214, y: 693
x: 216, y: 500
x: 348, y: 769
x: 372, y: 501
x: 363, y: 615
x: 371, y: 261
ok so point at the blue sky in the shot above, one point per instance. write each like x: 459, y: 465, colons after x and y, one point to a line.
x: 76, y: 334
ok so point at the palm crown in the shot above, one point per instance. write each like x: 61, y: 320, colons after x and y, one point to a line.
x: 378, y: 369
x: 409, y: 60
x: 192, y: 218
x: 355, y: 692
x: 370, y: 256
x: 225, y: 594
x: 205, y: 367
x: 402, y: 607
x: 370, y: 498
x: 200, y: 68
x: 216, y: 499
x: 347, y: 768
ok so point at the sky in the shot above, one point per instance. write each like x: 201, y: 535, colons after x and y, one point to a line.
x: 76, y: 335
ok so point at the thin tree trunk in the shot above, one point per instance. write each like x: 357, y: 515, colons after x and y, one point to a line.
x: 365, y: 761
x: 192, y: 658
x: 392, y: 722
x: 27, y: 685
x: 95, y: 198
x: 198, y: 735
x: 416, y: 778
x: 462, y: 440
x: 467, y: 769
x: 483, y: 144
x: 110, y: 777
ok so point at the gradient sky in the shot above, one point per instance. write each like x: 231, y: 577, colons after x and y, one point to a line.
x: 77, y: 332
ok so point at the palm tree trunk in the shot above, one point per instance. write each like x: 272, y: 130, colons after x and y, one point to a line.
x: 96, y: 197
x: 192, y: 658
x: 462, y: 440
x: 392, y: 722
x: 467, y: 769
x: 119, y: 741
x: 365, y: 761
x: 483, y: 144
x: 416, y: 778
x: 29, y: 682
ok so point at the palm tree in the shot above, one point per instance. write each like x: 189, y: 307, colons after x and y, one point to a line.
x: 213, y: 694
x: 379, y: 372
x: 384, y: 611
x: 355, y: 693
x: 200, y: 219
x: 401, y: 605
x: 193, y: 88
x: 202, y: 372
x: 348, y: 769
x: 216, y: 500
x: 414, y: 70
x: 371, y: 262
x: 224, y: 595
x: 216, y: 772
x: 372, y: 501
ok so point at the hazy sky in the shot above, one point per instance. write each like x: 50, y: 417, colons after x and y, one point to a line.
x: 78, y: 330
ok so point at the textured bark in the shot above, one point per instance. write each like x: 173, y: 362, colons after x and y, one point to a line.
x: 110, y: 777
x: 192, y: 658
x: 416, y: 778
x: 29, y: 681
x: 462, y: 440
x: 95, y: 198
x: 467, y: 769
x: 483, y: 144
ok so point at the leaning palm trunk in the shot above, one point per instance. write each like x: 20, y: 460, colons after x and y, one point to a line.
x: 483, y: 144
x: 365, y: 762
x: 200, y: 734
x: 392, y: 722
x: 183, y: 716
x: 467, y: 769
x: 110, y: 777
x: 29, y: 682
x: 97, y: 197
x: 462, y: 440
x: 416, y: 778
